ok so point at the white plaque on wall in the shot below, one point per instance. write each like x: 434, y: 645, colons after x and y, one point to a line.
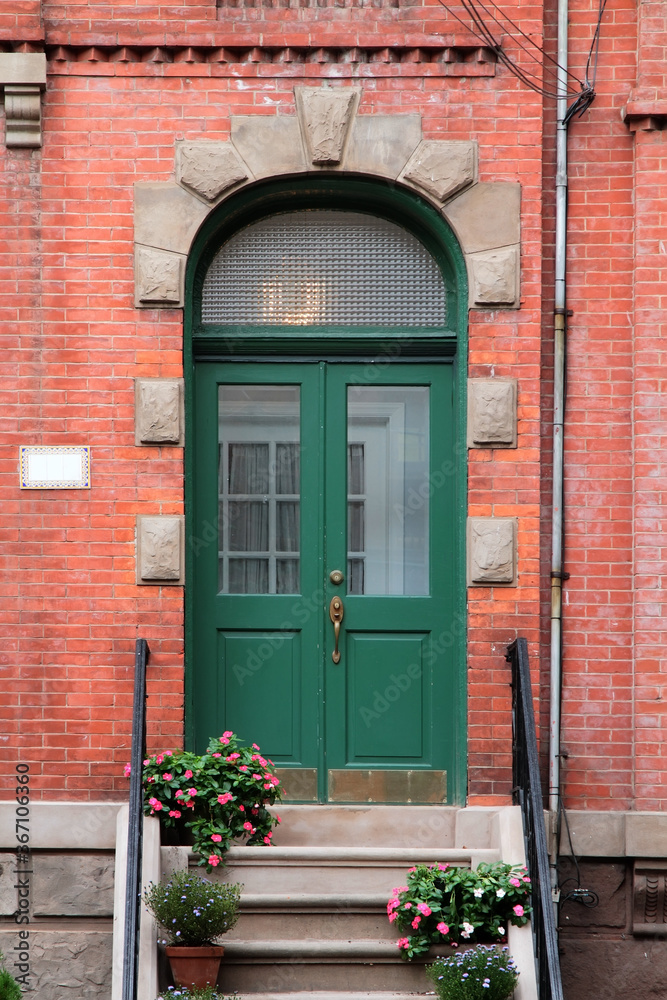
x: 55, y: 467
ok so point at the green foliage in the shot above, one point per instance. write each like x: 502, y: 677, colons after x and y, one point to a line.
x: 482, y: 973
x: 192, y: 909
x: 207, y: 992
x: 9, y: 988
x: 444, y: 905
x: 220, y: 796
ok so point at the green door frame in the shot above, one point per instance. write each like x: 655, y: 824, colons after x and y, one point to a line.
x: 219, y: 343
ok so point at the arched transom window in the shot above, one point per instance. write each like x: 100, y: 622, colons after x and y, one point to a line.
x: 324, y: 267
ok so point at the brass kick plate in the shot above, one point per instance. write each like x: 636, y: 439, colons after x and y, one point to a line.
x: 352, y: 785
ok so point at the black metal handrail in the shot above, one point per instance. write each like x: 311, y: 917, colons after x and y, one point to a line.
x: 135, y: 826
x: 528, y: 794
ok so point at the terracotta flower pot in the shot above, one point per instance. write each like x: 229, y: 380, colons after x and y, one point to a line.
x: 195, y: 966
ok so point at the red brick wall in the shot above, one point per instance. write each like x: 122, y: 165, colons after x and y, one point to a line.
x: 74, y: 343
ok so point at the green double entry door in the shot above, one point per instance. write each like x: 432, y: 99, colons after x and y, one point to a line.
x: 324, y: 618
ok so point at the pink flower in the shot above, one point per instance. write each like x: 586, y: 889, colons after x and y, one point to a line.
x: 525, y: 879
x: 278, y: 819
x: 443, y: 927
x: 403, y: 943
x: 188, y: 774
x: 393, y: 904
x: 179, y: 794
x: 423, y: 908
x: 410, y: 870
x: 233, y: 756
x: 192, y: 791
x: 155, y: 804
x: 256, y: 777
x: 518, y: 909
x: 146, y: 762
x: 268, y: 787
x: 275, y: 781
x: 392, y: 917
x: 216, y: 837
x: 166, y: 776
x: 407, y: 906
x: 159, y: 758
x: 225, y: 798
x: 247, y: 825
x: 515, y: 881
x: 242, y: 808
x: 214, y: 860
x: 399, y: 888
x: 176, y: 813
x: 216, y: 755
x: 255, y: 747
x: 127, y: 770
x: 262, y: 762
x: 267, y: 839
x: 227, y: 733
x: 442, y: 868
x: 416, y: 922
x: 224, y: 741
x: 243, y: 767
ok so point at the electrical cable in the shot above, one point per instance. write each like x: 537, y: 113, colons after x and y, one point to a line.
x: 587, y: 897
x: 480, y: 14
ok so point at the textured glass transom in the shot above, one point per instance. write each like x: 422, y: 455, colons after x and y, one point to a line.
x: 324, y: 267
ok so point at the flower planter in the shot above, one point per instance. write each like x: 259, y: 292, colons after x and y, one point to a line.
x: 195, y: 966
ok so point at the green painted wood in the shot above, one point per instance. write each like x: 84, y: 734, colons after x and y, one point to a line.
x: 264, y: 661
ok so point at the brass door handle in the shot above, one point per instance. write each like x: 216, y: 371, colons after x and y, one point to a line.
x: 336, y: 612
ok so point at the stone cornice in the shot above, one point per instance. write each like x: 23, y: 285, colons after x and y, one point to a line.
x: 645, y: 112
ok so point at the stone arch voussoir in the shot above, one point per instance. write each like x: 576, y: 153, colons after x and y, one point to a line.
x: 327, y: 134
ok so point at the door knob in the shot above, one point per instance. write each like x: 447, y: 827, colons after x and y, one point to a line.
x: 336, y: 612
x: 336, y: 576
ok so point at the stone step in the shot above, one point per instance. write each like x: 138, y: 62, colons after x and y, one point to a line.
x: 335, y: 995
x: 331, y: 870
x: 295, y: 966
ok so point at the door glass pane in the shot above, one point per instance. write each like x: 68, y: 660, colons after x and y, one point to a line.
x: 388, y: 489
x: 259, y: 489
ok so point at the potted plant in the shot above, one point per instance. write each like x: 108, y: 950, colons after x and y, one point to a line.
x: 9, y: 988
x: 194, y: 912
x: 443, y: 904
x: 481, y: 973
x: 219, y: 796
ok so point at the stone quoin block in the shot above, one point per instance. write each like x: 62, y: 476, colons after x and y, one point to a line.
x: 492, y: 551
x: 73, y: 885
x: 486, y: 216
x: 325, y: 115
x: 208, y: 168
x: 158, y: 411
x: 494, y: 277
x: 492, y: 413
x: 158, y: 277
x: 442, y: 168
x: 160, y: 550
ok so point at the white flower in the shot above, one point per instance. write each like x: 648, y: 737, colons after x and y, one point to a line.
x: 467, y: 929
x: 478, y: 893
x: 500, y: 893
x: 501, y: 931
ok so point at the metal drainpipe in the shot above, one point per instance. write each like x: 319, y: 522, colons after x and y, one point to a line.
x: 560, y: 323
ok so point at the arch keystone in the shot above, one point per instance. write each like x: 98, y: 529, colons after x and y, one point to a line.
x: 325, y: 116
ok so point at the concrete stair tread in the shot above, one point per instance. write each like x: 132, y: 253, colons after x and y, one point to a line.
x: 359, y: 949
x: 313, y: 900
x: 335, y: 995
x: 366, y: 855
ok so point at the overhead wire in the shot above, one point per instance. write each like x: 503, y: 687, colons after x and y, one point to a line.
x: 559, y: 81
